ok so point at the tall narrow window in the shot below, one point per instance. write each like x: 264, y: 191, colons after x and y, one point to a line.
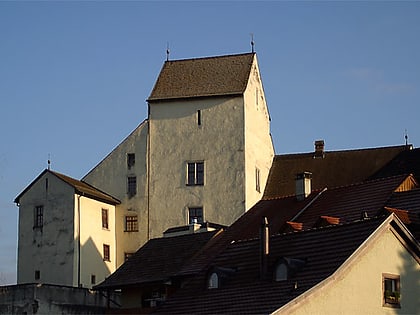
x: 199, y: 117
x: 195, y: 215
x: 107, y: 256
x: 92, y: 279
x: 131, y: 185
x: 131, y: 160
x: 391, y: 290
x: 257, y: 180
x: 37, y: 274
x: 39, y: 217
x: 131, y: 223
x: 195, y: 173
x: 105, y: 219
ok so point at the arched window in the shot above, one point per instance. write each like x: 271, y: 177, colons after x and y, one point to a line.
x: 213, y: 281
x: 281, y: 272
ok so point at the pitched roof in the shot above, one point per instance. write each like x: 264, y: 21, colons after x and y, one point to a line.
x: 244, y: 292
x: 157, y: 260
x: 336, y: 168
x: 203, y: 77
x: 80, y: 187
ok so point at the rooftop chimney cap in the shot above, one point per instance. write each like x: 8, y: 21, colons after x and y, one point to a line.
x: 319, y: 149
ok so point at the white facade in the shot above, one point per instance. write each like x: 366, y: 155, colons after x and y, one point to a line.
x: 61, y: 236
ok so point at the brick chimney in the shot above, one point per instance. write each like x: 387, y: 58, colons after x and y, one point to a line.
x: 319, y: 149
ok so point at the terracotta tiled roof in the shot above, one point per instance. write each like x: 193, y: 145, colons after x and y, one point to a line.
x: 203, y: 77
x: 348, y: 203
x: 337, y: 168
x: 157, y: 260
x: 406, y: 162
x: 80, y: 187
x: 245, y: 292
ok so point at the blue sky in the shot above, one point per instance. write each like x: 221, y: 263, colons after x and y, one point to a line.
x: 75, y: 76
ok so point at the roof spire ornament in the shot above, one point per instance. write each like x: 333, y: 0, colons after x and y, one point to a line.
x: 406, y: 138
x: 252, y: 43
x: 167, y: 51
x: 49, y: 162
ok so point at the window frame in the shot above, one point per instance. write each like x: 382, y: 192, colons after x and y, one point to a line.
x: 131, y: 223
x: 195, y: 173
x: 131, y: 185
x: 131, y: 160
x: 38, y: 217
x: 200, y: 216
x: 105, y: 219
x: 106, y: 252
x: 391, y: 298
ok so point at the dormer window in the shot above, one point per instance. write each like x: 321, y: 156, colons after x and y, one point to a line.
x: 286, y: 268
x: 213, y: 281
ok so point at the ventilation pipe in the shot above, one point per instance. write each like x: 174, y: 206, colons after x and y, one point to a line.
x: 264, y: 247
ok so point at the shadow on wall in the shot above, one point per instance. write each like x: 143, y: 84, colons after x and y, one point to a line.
x: 94, y: 263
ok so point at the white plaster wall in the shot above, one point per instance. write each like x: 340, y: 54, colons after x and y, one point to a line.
x: 359, y: 289
x: 175, y: 139
x: 110, y: 175
x: 92, y: 238
x: 259, y: 150
x: 50, y: 251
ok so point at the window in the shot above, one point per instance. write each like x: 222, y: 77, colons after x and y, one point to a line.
x: 107, y: 256
x: 257, y: 180
x: 195, y: 215
x: 199, y: 117
x: 127, y: 255
x: 131, y: 223
x: 281, y: 272
x: 37, y: 274
x: 195, y: 173
x: 391, y: 290
x: 92, y: 279
x: 131, y: 185
x: 131, y: 160
x: 39, y: 217
x: 105, y: 219
x: 213, y: 281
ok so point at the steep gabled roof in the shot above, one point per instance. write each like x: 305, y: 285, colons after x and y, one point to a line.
x: 245, y: 292
x: 157, y: 261
x: 203, y: 77
x: 80, y: 187
x: 336, y: 168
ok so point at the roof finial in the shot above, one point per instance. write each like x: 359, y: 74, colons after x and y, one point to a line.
x: 252, y: 42
x: 49, y: 162
x: 167, y: 51
x: 406, y: 138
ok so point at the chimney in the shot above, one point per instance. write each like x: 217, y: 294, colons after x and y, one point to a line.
x: 264, y: 247
x: 303, y: 185
x: 319, y: 149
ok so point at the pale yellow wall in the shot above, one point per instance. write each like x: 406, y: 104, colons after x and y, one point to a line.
x: 92, y: 238
x: 358, y: 290
x: 175, y: 139
x: 110, y: 175
x: 259, y: 151
x: 50, y: 251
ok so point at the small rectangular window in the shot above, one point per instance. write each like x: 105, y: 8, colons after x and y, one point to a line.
x: 195, y: 173
x: 131, y: 223
x: 105, y: 219
x: 39, y: 217
x: 257, y: 180
x: 131, y: 185
x: 199, y: 117
x: 92, y: 279
x: 37, y: 274
x: 391, y: 290
x: 195, y: 215
x: 107, y: 256
x: 131, y: 160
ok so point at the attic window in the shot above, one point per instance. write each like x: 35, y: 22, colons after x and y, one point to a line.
x: 213, y: 281
x: 281, y: 272
x: 287, y: 267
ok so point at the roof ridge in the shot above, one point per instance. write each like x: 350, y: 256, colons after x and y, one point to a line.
x: 210, y: 57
